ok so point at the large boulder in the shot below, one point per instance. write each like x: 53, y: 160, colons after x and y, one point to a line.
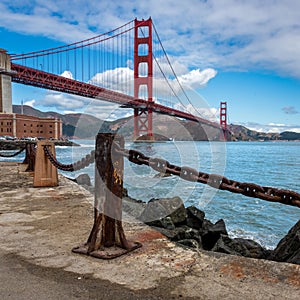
x: 239, y: 246
x: 195, y: 217
x: 212, y: 233
x: 288, y: 249
x: 157, y: 210
x: 181, y: 233
x: 83, y: 179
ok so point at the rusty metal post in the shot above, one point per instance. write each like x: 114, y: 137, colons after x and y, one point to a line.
x: 29, y: 157
x: 107, y: 239
x: 45, y: 174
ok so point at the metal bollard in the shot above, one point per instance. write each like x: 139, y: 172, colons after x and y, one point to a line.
x: 45, y: 174
x: 107, y: 238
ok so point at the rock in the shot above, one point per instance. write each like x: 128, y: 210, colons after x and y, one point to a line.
x: 212, y: 233
x: 158, y: 209
x: 239, y: 246
x: 190, y: 243
x: 288, y: 249
x: 195, y: 217
x: 83, y: 179
x: 132, y: 206
x: 124, y: 192
x: 167, y: 223
x: 180, y: 233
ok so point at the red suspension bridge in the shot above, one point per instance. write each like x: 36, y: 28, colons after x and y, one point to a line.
x: 100, y: 68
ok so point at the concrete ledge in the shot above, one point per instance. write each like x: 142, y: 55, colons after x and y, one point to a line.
x: 42, y: 225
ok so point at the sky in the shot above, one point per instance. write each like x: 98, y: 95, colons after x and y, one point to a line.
x: 243, y: 52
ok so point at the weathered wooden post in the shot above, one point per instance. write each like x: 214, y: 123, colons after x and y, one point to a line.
x: 107, y: 239
x: 45, y: 174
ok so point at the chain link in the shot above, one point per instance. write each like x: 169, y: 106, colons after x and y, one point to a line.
x: 14, y: 154
x: 81, y: 164
x: 214, y: 180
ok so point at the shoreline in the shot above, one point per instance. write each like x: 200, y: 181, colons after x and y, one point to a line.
x: 18, y: 144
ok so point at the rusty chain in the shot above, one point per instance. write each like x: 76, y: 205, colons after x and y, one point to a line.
x: 214, y: 180
x: 83, y: 163
x: 14, y: 154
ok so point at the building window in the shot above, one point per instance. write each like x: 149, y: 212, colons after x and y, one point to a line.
x: 50, y: 131
x: 50, y: 126
x: 24, y: 131
x: 24, y: 124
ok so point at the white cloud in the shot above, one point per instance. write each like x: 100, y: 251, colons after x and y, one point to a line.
x: 197, y: 78
x: 208, y: 113
x: 290, y: 110
x: 30, y: 102
x: 67, y: 74
x: 63, y: 102
x: 121, y: 80
x: 232, y: 34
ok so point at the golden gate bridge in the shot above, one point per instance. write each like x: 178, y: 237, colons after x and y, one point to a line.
x: 99, y: 68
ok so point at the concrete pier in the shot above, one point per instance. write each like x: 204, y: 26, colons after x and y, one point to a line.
x: 40, y: 226
x: 5, y: 83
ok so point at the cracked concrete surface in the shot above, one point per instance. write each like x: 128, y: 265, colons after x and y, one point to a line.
x: 41, y: 226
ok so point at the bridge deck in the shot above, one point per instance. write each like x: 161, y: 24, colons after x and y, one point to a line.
x: 42, y: 225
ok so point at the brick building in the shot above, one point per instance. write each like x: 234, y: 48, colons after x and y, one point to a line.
x: 22, y: 126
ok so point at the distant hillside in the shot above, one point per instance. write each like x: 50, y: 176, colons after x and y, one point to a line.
x: 241, y: 133
x: 86, y: 126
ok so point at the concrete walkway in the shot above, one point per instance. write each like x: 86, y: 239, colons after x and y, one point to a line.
x: 40, y: 226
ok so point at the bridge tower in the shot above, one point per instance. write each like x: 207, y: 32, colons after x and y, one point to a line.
x: 5, y: 83
x: 143, y: 61
x: 223, y: 121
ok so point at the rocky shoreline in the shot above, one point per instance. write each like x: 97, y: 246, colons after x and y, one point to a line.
x: 16, y: 145
x: 188, y: 227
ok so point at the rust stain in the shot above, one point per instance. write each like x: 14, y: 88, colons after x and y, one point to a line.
x: 294, y: 278
x: 233, y: 269
x: 239, y: 270
x: 185, y: 263
x: 146, y: 236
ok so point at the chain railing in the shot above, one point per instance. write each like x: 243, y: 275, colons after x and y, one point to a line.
x: 214, y: 180
x: 13, y: 154
x: 80, y: 164
x: 220, y: 182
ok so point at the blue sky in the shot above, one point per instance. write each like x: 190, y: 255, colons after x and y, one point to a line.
x: 242, y: 52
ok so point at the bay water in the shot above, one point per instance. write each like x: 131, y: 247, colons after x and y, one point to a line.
x: 275, y: 164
